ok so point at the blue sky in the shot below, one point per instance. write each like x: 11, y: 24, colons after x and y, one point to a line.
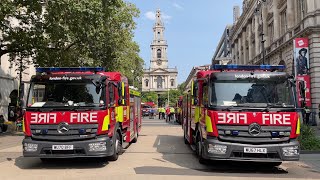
x: 193, y: 29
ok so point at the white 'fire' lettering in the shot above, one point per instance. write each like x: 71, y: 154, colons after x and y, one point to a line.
x: 276, y: 119
x: 38, y: 118
x: 232, y: 118
x: 84, y: 117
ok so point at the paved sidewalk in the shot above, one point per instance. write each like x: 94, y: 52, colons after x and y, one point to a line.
x: 312, y: 160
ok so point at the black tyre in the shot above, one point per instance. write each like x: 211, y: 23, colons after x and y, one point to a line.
x: 117, y: 148
x: 184, y: 137
x: 199, y: 150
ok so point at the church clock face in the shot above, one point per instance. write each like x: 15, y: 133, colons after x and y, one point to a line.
x: 159, y: 62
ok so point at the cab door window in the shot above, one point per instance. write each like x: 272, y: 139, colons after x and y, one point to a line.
x: 111, y: 88
x: 205, y: 98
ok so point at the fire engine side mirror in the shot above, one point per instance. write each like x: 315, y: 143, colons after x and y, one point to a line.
x: 21, y: 103
x: 195, y: 101
x: 121, y: 89
x: 99, y: 83
x: 120, y: 101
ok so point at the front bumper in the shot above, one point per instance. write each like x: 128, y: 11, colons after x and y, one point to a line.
x: 80, y: 148
x: 235, y: 151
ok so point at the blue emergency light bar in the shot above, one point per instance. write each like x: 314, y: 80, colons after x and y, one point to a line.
x: 69, y: 69
x: 247, y: 67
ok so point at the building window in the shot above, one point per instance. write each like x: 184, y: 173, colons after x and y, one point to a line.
x: 283, y: 22
x: 158, y: 35
x: 159, y: 82
x: 271, y: 32
x: 172, y: 82
x: 159, y: 53
x: 147, y: 82
x: 301, y: 9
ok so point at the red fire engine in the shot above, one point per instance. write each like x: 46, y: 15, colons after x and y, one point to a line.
x: 80, y: 112
x: 243, y: 113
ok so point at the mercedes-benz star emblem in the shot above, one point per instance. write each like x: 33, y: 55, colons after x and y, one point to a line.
x: 63, y: 127
x: 254, y: 129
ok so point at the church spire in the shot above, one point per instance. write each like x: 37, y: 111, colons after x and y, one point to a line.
x: 159, y: 77
x: 159, y: 58
x: 158, y: 18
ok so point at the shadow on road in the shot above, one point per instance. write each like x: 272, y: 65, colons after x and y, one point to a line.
x: 174, y: 151
x: 72, y: 163
x: 4, y: 134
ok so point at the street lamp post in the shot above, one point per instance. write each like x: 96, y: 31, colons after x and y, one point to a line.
x: 133, y: 77
x: 168, y: 97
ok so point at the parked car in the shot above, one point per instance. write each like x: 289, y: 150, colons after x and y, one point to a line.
x: 145, y: 110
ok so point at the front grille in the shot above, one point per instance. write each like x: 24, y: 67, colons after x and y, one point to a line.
x: 73, y: 133
x: 272, y: 155
x: 243, y: 135
x: 62, y: 152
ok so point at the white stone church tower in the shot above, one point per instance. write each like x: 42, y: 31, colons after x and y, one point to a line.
x: 159, y: 77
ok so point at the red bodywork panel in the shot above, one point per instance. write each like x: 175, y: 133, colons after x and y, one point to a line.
x: 261, y: 118
x: 70, y: 117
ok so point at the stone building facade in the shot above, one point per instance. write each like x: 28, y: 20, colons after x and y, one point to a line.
x: 159, y: 77
x: 274, y: 24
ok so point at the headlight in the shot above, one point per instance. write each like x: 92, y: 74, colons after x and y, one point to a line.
x: 217, y: 149
x: 291, y: 151
x: 30, y: 147
x: 100, y: 146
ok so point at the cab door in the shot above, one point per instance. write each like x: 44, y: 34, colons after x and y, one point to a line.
x: 133, y: 114
x: 111, y: 89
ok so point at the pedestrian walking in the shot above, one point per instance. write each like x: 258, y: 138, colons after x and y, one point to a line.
x: 172, y: 113
x: 168, y: 114
x: 307, y: 114
x: 162, y: 113
x: 159, y: 112
x: 3, y: 127
x: 151, y: 113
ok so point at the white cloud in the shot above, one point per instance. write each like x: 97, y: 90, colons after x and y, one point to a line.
x: 150, y: 15
x: 178, y: 6
x: 165, y: 16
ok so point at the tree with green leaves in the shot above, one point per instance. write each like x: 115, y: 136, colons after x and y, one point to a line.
x: 71, y: 33
x: 149, y: 97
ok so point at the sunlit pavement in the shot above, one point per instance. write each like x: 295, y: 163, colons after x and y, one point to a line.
x: 160, y: 153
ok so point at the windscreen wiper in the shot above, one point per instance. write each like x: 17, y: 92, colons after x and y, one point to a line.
x: 278, y: 106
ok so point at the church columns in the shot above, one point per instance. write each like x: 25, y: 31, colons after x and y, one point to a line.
x: 239, y: 49
x: 290, y: 13
x: 256, y: 29
x: 276, y: 20
x: 249, y: 41
x: 244, y: 60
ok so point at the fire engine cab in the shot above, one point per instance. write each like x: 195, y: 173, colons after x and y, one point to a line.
x: 80, y: 112
x: 243, y: 113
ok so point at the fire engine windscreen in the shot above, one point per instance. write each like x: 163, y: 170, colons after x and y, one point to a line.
x: 253, y: 93
x: 65, y: 94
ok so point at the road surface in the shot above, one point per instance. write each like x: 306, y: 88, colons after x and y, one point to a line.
x: 160, y: 153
